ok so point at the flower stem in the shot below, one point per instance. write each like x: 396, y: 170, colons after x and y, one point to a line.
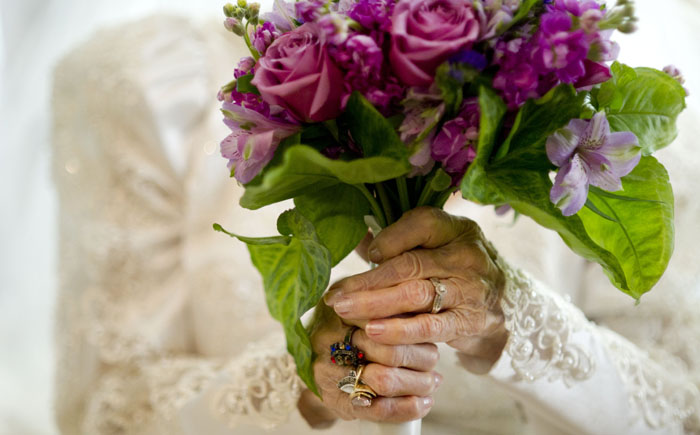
x: 376, y: 209
x: 427, y: 191
x: 386, y: 203
x: 246, y: 37
x: 403, y: 194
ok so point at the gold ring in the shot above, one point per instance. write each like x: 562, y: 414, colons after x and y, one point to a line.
x: 362, y: 394
x: 440, y: 292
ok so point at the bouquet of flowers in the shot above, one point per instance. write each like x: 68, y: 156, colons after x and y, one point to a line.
x: 361, y: 110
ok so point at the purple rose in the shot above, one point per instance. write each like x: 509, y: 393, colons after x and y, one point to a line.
x: 425, y: 33
x: 298, y: 74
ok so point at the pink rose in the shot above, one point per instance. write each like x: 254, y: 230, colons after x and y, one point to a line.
x: 425, y: 33
x: 298, y: 74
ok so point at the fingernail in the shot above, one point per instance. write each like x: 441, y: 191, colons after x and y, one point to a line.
x: 438, y: 379
x: 332, y: 297
x: 427, y: 402
x: 375, y: 256
x: 375, y: 328
x: 343, y: 306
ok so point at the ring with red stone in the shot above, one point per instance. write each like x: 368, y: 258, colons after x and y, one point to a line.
x: 345, y: 354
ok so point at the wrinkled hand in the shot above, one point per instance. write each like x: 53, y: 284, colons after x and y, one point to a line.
x: 424, y: 243
x: 401, y: 376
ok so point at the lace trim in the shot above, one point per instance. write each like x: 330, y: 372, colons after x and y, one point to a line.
x: 661, y: 401
x: 540, y: 326
x: 265, y: 389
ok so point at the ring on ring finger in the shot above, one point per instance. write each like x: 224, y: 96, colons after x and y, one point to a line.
x: 440, y: 292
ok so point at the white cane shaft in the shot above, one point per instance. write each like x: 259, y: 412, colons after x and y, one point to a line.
x: 372, y: 428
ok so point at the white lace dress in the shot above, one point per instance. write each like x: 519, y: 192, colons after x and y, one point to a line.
x: 162, y: 327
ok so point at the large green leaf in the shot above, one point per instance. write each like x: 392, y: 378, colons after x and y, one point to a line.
x: 295, y: 274
x: 528, y: 193
x: 304, y: 170
x: 337, y: 213
x: 475, y: 185
x: 372, y: 131
x: 535, y: 122
x: 644, y: 101
x: 641, y: 236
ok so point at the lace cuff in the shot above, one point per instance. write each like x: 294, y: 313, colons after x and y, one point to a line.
x: 555, y: 358
x: 260, y: 388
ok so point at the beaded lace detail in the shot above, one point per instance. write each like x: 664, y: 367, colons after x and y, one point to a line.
x: 541, y: 325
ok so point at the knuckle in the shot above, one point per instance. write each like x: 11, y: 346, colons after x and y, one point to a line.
x: 388, y: 382
x: 408, y: 265
x: 417, y: 293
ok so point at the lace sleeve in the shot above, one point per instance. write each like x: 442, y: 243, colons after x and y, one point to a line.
x: 556, y: 360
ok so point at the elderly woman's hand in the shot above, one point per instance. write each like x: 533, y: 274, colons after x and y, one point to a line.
x: 402, y: 376
x: 429, y: 243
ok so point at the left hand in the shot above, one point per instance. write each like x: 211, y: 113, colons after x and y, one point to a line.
x: 429, y: 243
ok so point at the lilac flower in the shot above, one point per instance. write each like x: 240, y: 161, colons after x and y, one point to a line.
x: 308, y: 10
x: 282, y: 16
x: 588, y: 153
x: 516, y: 79
x: 245, y: 66
x: 676, y: 74
x: 423, y: 110
x: 559, y: 50
x: 264, y: 36
x: 254, y: 139
x: 455, y: 145
x: 373, y: 14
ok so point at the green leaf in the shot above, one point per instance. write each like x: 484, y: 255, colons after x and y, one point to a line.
x: 641, y: 235
x: 295, y: 275
x: 475, y: 185
x: 536, y: 121
x: 337, y: 213
x: 244, y: 85
x: 528, y: 193
x: 275, y: 240
x: 372, y: 131
x: 304, y: 170
x: 441, y: 181
x: 644, y: 101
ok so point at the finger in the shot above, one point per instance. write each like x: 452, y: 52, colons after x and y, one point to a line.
x: 363, y: 247
x: 427, y: 227
x: 396, y: 382
x: 423, y: 357
x: 417, y: 264
x: 395, y: 409
x: 422, y: 328
x: 415, y: 296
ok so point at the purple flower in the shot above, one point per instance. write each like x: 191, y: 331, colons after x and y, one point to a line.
x: 264, y: 36
x: 282, y: 16
x: 423, y: 110
x: 588, y: 153
x: 559, y: 50
x: 576, y: 7
x: 308, y: 10
x: 373, y: 14
x: 516, y: 78
x: 455, y: 145
x: 253, y: 141
x: 245, y: 66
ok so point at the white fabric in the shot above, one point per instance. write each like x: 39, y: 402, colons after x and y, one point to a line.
x: 162, y: 324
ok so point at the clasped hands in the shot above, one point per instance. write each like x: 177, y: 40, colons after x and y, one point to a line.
x: 392, y: 306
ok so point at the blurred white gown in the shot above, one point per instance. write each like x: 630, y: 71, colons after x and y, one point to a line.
x: 162, y: 325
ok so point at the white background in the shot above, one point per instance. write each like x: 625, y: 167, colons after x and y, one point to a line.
x: 33, y: 36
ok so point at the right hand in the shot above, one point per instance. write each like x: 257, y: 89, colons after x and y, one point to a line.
x: 402, y: 376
